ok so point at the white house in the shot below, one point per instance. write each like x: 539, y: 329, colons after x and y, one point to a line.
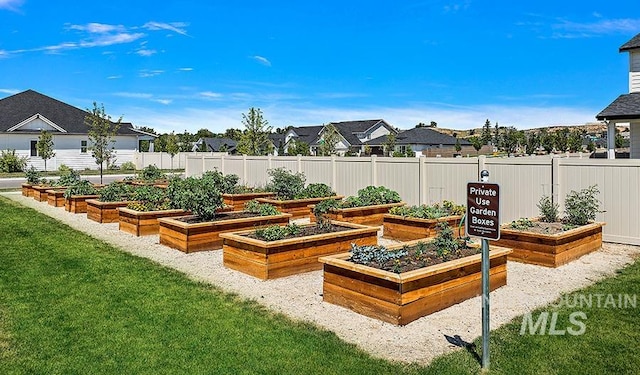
x: 626, y: 108
x: 24, y: 115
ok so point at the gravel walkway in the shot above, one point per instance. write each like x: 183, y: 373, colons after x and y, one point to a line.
x: 300, y: 296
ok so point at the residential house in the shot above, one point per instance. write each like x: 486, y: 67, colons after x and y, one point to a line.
x: 354, y: 135
x: 626, y: 108
x: 215, y: 145
x: 24, y: 115
x: 306, y: 134
x: 425, y: 141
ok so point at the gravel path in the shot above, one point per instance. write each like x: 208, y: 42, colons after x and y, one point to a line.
x: 300, y: 296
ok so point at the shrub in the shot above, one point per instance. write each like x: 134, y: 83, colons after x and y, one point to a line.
x: 33, y: 175
x: 226, y: 184
x: 11, y: 162
x: 316, y: 190
x: 201, y: 196
x: 285, y: 184
x: 582, y: 207
x: 149, y: 198
x: 322, y: 207
x: 63, y: 168
x: 151, y: 173
x: 262, y: 209
x: 128, y: 166
x: 115, y: 192
x: 371, y: 196
x: 68, y: 178
x: 82, y: 187
x: 548, y: 209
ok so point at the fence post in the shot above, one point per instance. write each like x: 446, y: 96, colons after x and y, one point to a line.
x: 222, y: 162
x: 333, y: 172
x: 555, y: 180
x: 423, y: 180
x: 269, y: 162
x: 299, y: 163
x: 244, y: 168
x: 374, y: 172
x: 481, y: 164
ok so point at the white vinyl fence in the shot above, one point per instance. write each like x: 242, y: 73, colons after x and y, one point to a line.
x: 163, y: 160
x: 427, y: 180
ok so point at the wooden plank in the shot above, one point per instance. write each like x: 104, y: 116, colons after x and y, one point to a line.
x: 360, y: 303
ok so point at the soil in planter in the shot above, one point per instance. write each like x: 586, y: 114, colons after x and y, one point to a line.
x: 219, y: 217
x: 308, y: 231
x: 540, y: 227
x: 410, y: 258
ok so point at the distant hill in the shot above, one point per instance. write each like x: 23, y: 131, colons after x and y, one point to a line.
x: 595, y: 128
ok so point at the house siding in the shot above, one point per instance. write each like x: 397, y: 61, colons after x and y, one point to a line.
x: 634, y: 71
x: 67, y: 150
x: 378, y: 131
x: 635, y: 140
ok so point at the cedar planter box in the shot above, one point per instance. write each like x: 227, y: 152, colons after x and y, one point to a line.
x: 402, y: 298
x: 77, y: 204
x: 104, y: 212
x: 365, y: 215
x: 55, y: 197
x: 273, y: 259
x: 143, y: 223
x: 238, y: 200
x: 296, y: 207
x: 40, y: 192
x: 551, y: 250
x: 27, y: 190
x: 411, y: 228
x: 192, y: 237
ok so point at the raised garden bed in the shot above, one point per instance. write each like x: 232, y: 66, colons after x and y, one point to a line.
x: 77, y: 204
x: 273, y: 259
x: 404, y: 228
x: 104, y: 212
x: 238, y: 200
x: 366, y: 215
x: 143, y: 223
x: 551, y: 250
x: 296, y: 207
x: 55, y: 197
x: 40, y: 192
x: 27, y: 190
x: 400, y: 298
x: 178, y: 233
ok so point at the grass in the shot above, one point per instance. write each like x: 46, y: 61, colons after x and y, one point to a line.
x: 73, y: 304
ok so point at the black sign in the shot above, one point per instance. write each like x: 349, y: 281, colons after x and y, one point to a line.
x: 483, y: 210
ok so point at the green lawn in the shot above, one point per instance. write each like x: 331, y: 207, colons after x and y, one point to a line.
x: 72, y: 304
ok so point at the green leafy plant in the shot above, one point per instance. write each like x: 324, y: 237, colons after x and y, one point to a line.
x: 12, y: 162
x: 68, y: 178
x: 521, y: 224
x: 226, y: 184
x: 445, y: 242
x: 128, y: 166
x: 262, y: 209
x: 371, y: 196
x: 581, y: 207
x: 285, y: 184
x: 548, y: 209
x: 82, y: 187
x: 272, y: 233
x: 323, y: 207
x: 33, y: 175
x: 315, y: 190
x: 151, y: 173
x: 149, y: 198
x: 375, y: 254
x: 435, y: 211
x: 201, y: 196
x: 63, y: 168
x: 115, y: 192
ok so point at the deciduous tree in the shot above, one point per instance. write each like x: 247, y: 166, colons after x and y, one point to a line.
x: 102, y: 132
x: 255, y: 139
x: 45, y: 147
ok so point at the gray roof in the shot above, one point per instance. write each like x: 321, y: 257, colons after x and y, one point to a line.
x: 632, y: 44
x: 307, y: 134
x: 219, y: 144
x: 626, y: 106
x: 348, y: 129
x: 17, y: 108
x: 420, y: 136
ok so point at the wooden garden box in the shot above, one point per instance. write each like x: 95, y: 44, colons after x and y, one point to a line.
x: 402, y: 298
x: 104, y: 212
x: 27, y: 190
x: 238, y: 200
x: 410, y: 228
x: 143, y: 223
x: 40, y: 193
x: 273, y: 259
x: 77, y: 204
x: 55, y: 197
x: 192, y: 237
x: 365, y: 215
x: 296, y: 207
x: 551, y: 250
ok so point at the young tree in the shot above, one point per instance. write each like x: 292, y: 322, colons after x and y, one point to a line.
x: 547, y: 140
x: 458, y: 146
x: 298, y: 147
x: 496, y: 135
x: 486, y: 132
x: 102, y: 132
x: 562, y: 140
x: 45, y: 147
x: 329, y: 141
x: 255, y: 139
x: 575, y: 141
x: 171, y: 146
x: 477, y: 144
x: 591, y: 147
x: 533, y: 142
x: 390, y: 144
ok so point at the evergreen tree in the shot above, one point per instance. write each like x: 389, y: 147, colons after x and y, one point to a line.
x: 486, y: 133
x: 102, y: 132
x: 255, y: 138
x: 562, y: 139
x: 45, y: 147
x: 390, y: 144
x: 476, y: 143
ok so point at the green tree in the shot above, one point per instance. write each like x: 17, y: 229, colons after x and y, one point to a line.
x: 547, y: 140
x: 591, y: 146
x: 329, y: 141
x: 477, y: 144
x: 298, y: 147
x: 102, y: 132
x: 204, y: 133
x: 234, y: 134
x: 458, y: 146
x: 45, y: 147
x: 562, y: 139
x: 511, y: 139
x: 533, y: 142
x: 575, y: 141
x: 255, y: 139
x: 172, y: 146
x: 619, y: 141
x: 496, y: 135
x: 486, y: 132
x: 390, y: 144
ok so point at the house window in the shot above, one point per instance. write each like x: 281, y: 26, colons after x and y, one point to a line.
x: 83, y: 147
x: 34, y: 148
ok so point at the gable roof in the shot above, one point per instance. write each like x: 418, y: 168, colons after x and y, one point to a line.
x: 625, y: 107
x: 632, y: 44
x: 216, y: 144
x: 349, y: 129
x: 420, y: 136
x: 307, y: 134
x: 18, y: 108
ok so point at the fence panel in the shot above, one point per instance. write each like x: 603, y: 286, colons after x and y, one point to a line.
x: 352, y: 174
x: 446, y: 179
x: 317, y: 169
x: 401, y: 175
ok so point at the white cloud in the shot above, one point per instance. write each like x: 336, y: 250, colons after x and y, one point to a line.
x: 134, y: 95
x: 163, y: 101
x: 114, y: 77
x: 185, y: 69
x: 210, y: 95
x: 98, y: 28
x: 262, y: 60
x: 9, y: 91
x: 601, y: 27
x: 149, y: 73
x: 146, y: 52
x: 176, y: 27
x: 12, y: 5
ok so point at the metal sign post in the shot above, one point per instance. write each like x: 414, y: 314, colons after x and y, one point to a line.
x: 483, y: 220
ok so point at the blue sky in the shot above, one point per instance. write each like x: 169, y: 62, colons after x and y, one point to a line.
x: 187, y: 65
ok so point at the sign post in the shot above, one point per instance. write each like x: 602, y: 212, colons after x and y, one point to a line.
x: 483, y: 220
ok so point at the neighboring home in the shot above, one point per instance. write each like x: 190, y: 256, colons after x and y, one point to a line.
x: 278, y: 142
x: 424, y: 141
x: 24, y: 115
x: 626, y: 108
x: 215, y: 145
x: 307, y: 134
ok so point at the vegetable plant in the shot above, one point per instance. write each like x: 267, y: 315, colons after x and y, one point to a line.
x: 262, y: 209
x: 582, y: 206
x: 548, y: 210
x: 149, y: 198
x: 435, y: 211
x: 82, y: 187
x: 69, y: 178
x: 151, y: 173
x: 115, y: 192
x: 201, y: 196
x: 33, y: 175
x: 285, y: 184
